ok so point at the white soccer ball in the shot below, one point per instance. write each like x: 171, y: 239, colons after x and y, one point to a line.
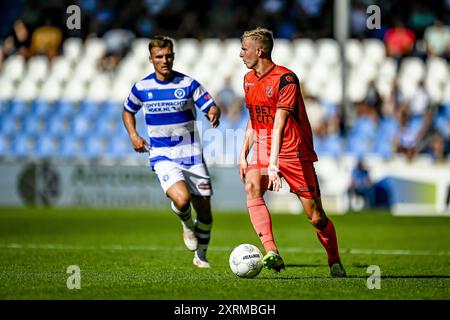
x: 246, y: 261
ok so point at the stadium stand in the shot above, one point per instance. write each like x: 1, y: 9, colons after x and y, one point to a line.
x: 69, y: 106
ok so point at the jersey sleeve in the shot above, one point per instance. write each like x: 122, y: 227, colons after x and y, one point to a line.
x: 133, y: 104
x: 289, y: 90
x: 201, y: 97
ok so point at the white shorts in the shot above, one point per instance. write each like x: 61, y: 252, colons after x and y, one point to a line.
x: 196, y: 177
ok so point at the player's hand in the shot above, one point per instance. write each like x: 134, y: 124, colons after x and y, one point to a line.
x: 274, y: 177
x: 213, y: 115
x: 242, y: 166
x: 139, y: 144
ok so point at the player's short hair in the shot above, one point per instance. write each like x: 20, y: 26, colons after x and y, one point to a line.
x: 263, y: 35
x: 160, y: 42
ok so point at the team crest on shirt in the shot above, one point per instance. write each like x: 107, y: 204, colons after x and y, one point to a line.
x: 179, y: 93
x: 269, y: 91
x: 150, y: 95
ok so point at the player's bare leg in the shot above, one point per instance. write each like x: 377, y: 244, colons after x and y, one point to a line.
x: 255, y: 187
x: 325, y: 232
x: 203, y: 224
x: 181, y: 205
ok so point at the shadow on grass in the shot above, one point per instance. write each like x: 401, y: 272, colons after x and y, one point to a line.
x: 280, y: 277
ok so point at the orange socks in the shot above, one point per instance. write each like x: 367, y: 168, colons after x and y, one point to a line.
x: 327, y: 236
x: 262, y: 223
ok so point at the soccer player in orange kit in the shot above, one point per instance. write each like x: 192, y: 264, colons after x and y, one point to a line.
x: 280, y: 129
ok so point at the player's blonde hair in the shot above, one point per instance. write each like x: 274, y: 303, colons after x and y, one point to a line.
x: 263, y: 35
x: 160, y: 42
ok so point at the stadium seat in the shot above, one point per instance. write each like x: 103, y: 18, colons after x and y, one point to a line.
x: 386, y: 131
x: 70, y: 147
x: 5, y: 146
x: 374, y: 51
x: 61, y: 68
x: 41, y: 108
x: 304, y: 50
x: 211, y: 51
x: 94, y: 49
x: 6, y: 89
x: 14, y: 68
x: 27, y: 90
x: 328, y: 51
x: 72, y: 48
x: 10, y: 125
x: 98, y: 88
x: 354, y: 52
x: 90, y: 109
x: 330, y: 145
x: 80, y: 126
x: 388, y: 70
x: 84, y: 71
x: 23, y: 146
x: 437, y: 70
x: 412, y: 68
x: 50, y: 91
x: 33, y: 126
x: 94, y: 147
x: 57, y: 125
x: 283, y: 53
x: 65, y: 108
x: 19, y: 108
x: 47, y: 147
x: 188, y: 50
x: 74, y: 91
x: 139, y: 49
x: 37, y: 68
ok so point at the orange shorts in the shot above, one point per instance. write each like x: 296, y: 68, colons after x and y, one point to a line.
x: 299, y: 175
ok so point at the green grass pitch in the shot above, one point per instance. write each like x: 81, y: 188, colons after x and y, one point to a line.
x: 136, y: 254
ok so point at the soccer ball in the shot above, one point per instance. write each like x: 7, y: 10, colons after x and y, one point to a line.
x: 246, y: 261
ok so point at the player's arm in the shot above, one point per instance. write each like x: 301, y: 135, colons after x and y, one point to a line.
x: 279, y: 124
x: 247, y: 145
x: 139, y: 143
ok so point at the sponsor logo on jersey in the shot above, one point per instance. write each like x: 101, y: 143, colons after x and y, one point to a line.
x: 290, y: 79
x: 165, y: 177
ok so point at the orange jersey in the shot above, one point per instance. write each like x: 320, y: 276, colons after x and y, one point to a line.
x: 277, y: 88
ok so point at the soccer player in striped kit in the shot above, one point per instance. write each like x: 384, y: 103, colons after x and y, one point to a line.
x: 170, y: 100
x: 280, y: 129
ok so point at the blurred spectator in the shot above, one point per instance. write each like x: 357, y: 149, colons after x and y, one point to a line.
x: 358, y: 20
x: 419, y: 101
x: 361, y: 185
x: 437, y: 40
x: 18, y: 42
x: 419, y: 18
x: 46, y: 40
x: 399, y: 40
x: 373, y: 98
x: 405, y: 141
x: 118, y: 41
x: 226, y: 96
x: 312, y: 14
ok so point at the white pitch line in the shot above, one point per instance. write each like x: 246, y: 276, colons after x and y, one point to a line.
x: 213, y: 248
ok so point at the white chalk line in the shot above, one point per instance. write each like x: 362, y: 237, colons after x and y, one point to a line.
x: 215, y: 248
